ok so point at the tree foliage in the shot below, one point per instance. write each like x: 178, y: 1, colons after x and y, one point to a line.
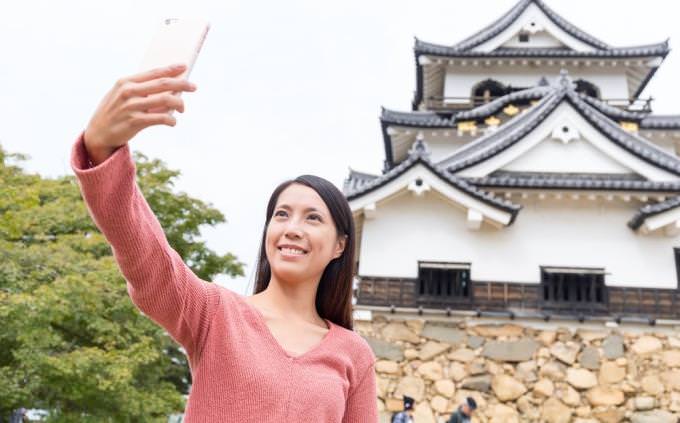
x: 71, y: 341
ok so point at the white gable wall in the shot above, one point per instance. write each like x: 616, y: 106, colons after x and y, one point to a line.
x: 460, y: 80
x: 540, y: 39
x: 440, y: 146
x: 533, y: 14
x: 577, y: 155
x: 407, y: 229
x: 563, y: 115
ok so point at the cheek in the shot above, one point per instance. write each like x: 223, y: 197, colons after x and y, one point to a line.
x: 325, y: 243
x: 270, y: 239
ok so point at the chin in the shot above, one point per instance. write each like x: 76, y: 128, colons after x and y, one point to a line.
x: 292, y: 272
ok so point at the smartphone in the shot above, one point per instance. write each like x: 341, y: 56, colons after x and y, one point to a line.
x: 176, y: 41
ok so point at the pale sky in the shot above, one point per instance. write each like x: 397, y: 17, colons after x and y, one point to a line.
x: 284, y: 87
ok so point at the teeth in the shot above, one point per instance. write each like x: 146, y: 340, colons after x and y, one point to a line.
x: 292, y: 251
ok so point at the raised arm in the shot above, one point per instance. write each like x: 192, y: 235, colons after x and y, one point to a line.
x: 159, y: 282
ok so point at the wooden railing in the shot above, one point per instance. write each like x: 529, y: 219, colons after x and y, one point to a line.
x: 648, y: 303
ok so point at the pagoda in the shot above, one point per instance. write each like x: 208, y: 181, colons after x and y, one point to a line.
x: 529, y: 179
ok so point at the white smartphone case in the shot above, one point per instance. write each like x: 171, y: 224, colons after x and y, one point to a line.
x: 176, y: 41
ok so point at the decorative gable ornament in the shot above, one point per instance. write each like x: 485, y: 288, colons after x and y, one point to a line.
x: 532, y: 27
x: 565, y: 133
x: 492, y: 121
x: 469, y: 126
x: 418, y: 187
x: 630, y: 126
x: 419, y: 148
x: 511, y: 110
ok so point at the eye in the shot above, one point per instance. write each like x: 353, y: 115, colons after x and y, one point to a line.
x: 315, y: 216
x: 280, y: 213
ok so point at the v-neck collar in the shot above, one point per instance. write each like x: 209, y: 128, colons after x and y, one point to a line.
x: 262, y: 322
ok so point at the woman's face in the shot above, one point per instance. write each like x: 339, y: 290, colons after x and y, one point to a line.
x: 301, y: 236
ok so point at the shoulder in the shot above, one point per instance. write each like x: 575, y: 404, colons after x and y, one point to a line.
x: 356, y: 347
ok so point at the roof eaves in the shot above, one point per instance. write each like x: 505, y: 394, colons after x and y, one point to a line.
x: 651, y: 210
x: 421, y: 157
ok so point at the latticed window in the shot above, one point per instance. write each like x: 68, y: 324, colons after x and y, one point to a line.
x: 436, y: 279
x: 573, y: 285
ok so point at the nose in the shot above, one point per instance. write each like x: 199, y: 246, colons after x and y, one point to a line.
x: 293, y: 229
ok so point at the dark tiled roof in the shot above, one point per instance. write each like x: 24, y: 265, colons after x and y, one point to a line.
x: 416, y: 119
x: 614, y: 112
x: 652, y: 210
x: 440, y: 120
x: 651, y: 50
x: 514, y: 130
x: 508, y: 18
x: 646, y: 120
x: 498, y: 104
x: 359, y: 185
x: 576, y: 181
x: 660, y: 122
x: 356, y: 180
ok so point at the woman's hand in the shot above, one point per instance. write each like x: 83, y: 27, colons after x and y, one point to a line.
x: 134, y: 103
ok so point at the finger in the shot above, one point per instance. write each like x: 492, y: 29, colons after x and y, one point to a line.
x: 156, y: 103
x: 172, y: 70
x: 154, y: 86
x: 144, y: 120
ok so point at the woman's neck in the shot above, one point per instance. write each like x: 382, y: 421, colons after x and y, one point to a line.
x: 289, y: 301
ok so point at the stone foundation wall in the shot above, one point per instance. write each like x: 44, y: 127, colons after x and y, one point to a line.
x: 519, y: 373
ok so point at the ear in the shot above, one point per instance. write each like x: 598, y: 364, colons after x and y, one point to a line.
x: 340, y: 246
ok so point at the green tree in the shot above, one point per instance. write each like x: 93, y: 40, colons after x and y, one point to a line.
x: 71, y: 341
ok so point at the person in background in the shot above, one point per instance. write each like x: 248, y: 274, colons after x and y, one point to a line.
x: 464, y: 412
x: 405, y: 416
x: 18, y: 416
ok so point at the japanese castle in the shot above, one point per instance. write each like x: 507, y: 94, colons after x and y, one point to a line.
x: 529, y: 179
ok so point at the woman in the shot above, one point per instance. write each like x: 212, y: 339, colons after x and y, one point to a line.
x: 286, y: 353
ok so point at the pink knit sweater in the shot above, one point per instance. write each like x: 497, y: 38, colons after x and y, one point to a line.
x: 240, y: 372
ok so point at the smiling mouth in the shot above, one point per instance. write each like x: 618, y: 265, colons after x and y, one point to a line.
x: 292, y: 251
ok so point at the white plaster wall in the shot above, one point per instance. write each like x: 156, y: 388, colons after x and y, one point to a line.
x: 576, y: 156
x: 441, y: 147
x: 541, y: 39
x: 460, y: 80
x: 547, y: 232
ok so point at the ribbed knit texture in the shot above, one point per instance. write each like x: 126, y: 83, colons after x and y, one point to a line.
x: 240, y: 372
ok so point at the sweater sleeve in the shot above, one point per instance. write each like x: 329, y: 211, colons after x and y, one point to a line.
x: 160, y: 284
x: 362, y: 402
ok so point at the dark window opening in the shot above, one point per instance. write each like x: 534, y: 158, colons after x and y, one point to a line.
x: 444, y: 280
x: 573, y: 285
x: 523, y: 37
x: 587, y: 88
x: 488, y: 90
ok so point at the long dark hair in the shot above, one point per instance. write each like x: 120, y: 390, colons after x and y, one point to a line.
x: 334, y: 294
